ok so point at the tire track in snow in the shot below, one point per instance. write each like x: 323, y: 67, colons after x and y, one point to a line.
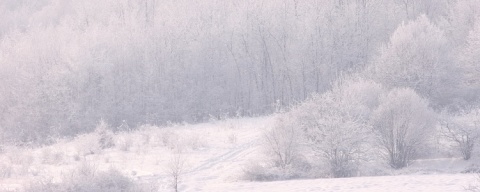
x: 229, y: 156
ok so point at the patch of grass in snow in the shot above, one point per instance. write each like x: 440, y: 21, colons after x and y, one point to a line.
x: 86, y: 178
x: 16, y: 161
x: 51, y: 156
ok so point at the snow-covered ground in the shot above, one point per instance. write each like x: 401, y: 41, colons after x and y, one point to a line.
x: 427, y: 183
x: 215, y: 154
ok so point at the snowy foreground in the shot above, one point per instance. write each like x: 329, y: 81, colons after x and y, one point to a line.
x: 442, y: 182
x: 215, y: 156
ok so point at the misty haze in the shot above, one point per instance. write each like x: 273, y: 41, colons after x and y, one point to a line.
x: 239, y: 95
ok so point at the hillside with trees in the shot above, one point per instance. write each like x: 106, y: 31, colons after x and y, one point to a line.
x: 66, y: 64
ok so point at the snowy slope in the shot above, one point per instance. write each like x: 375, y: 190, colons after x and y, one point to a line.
x: 215, y: 154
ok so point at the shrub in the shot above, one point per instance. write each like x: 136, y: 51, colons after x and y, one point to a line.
x: 85, y: 146
x: 282, y: 141
x: 50, y: 156
x: 103, y: 130
x: 463, y: 130
x: 124, y: 142
x: 338, y: 136
x: 271, y: 172
x: 402, y: 123
x: 87, y: 179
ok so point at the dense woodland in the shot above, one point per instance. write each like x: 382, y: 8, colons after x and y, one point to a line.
x: 65, y: 64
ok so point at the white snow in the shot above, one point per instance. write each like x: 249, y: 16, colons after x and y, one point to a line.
x: 441, y: 182
x: 216, y: 153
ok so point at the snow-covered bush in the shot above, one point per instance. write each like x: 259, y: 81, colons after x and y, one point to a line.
x: 268, y: 171
x: 169, y: 139
x: 124, y: 142
x: 283, y: 141
x: 103, y: 130
x: 257, y: 172
x: 19, y: 156
x: 52, y: 156
x: 94, y: 142
x: 360, y: 96
x: 87, y: 179
x: 338, y: 136
x: 463, y: 130
x: 283, y: 152
x: 336, y: 124
x: 402, y: 123
x: 193, y: 141
x: 85, y: 144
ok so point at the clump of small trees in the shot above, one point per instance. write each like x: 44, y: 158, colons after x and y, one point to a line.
x: 333, y: 125
x: 349, y: 124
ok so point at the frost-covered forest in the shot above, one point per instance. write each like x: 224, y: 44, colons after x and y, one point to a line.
x: 67, y: 64
x: 260, y: 89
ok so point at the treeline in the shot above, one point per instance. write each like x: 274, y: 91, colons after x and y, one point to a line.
x: 67, y: 64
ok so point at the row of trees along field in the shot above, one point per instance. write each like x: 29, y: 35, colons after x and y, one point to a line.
x: 66, y: 64
x: 359, y: 127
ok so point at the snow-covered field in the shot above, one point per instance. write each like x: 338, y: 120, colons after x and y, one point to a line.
x: 215, y: 155
x: 427, y: 183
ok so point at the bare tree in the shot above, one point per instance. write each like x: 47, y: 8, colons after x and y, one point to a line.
x: 283, y: 141
x: 176, y: 167
x: 463, y: 130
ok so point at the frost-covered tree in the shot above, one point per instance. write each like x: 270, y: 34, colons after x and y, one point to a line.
x: 66, y: 64
x: 470, y: 63
x: 459, y: 21
x: 416, y: 57
x: 463, y: 130
x: 175, y: 168
x: 336, y: 124
x: 402, y: 123
x: 283, y: 141
x: 338, y: 137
